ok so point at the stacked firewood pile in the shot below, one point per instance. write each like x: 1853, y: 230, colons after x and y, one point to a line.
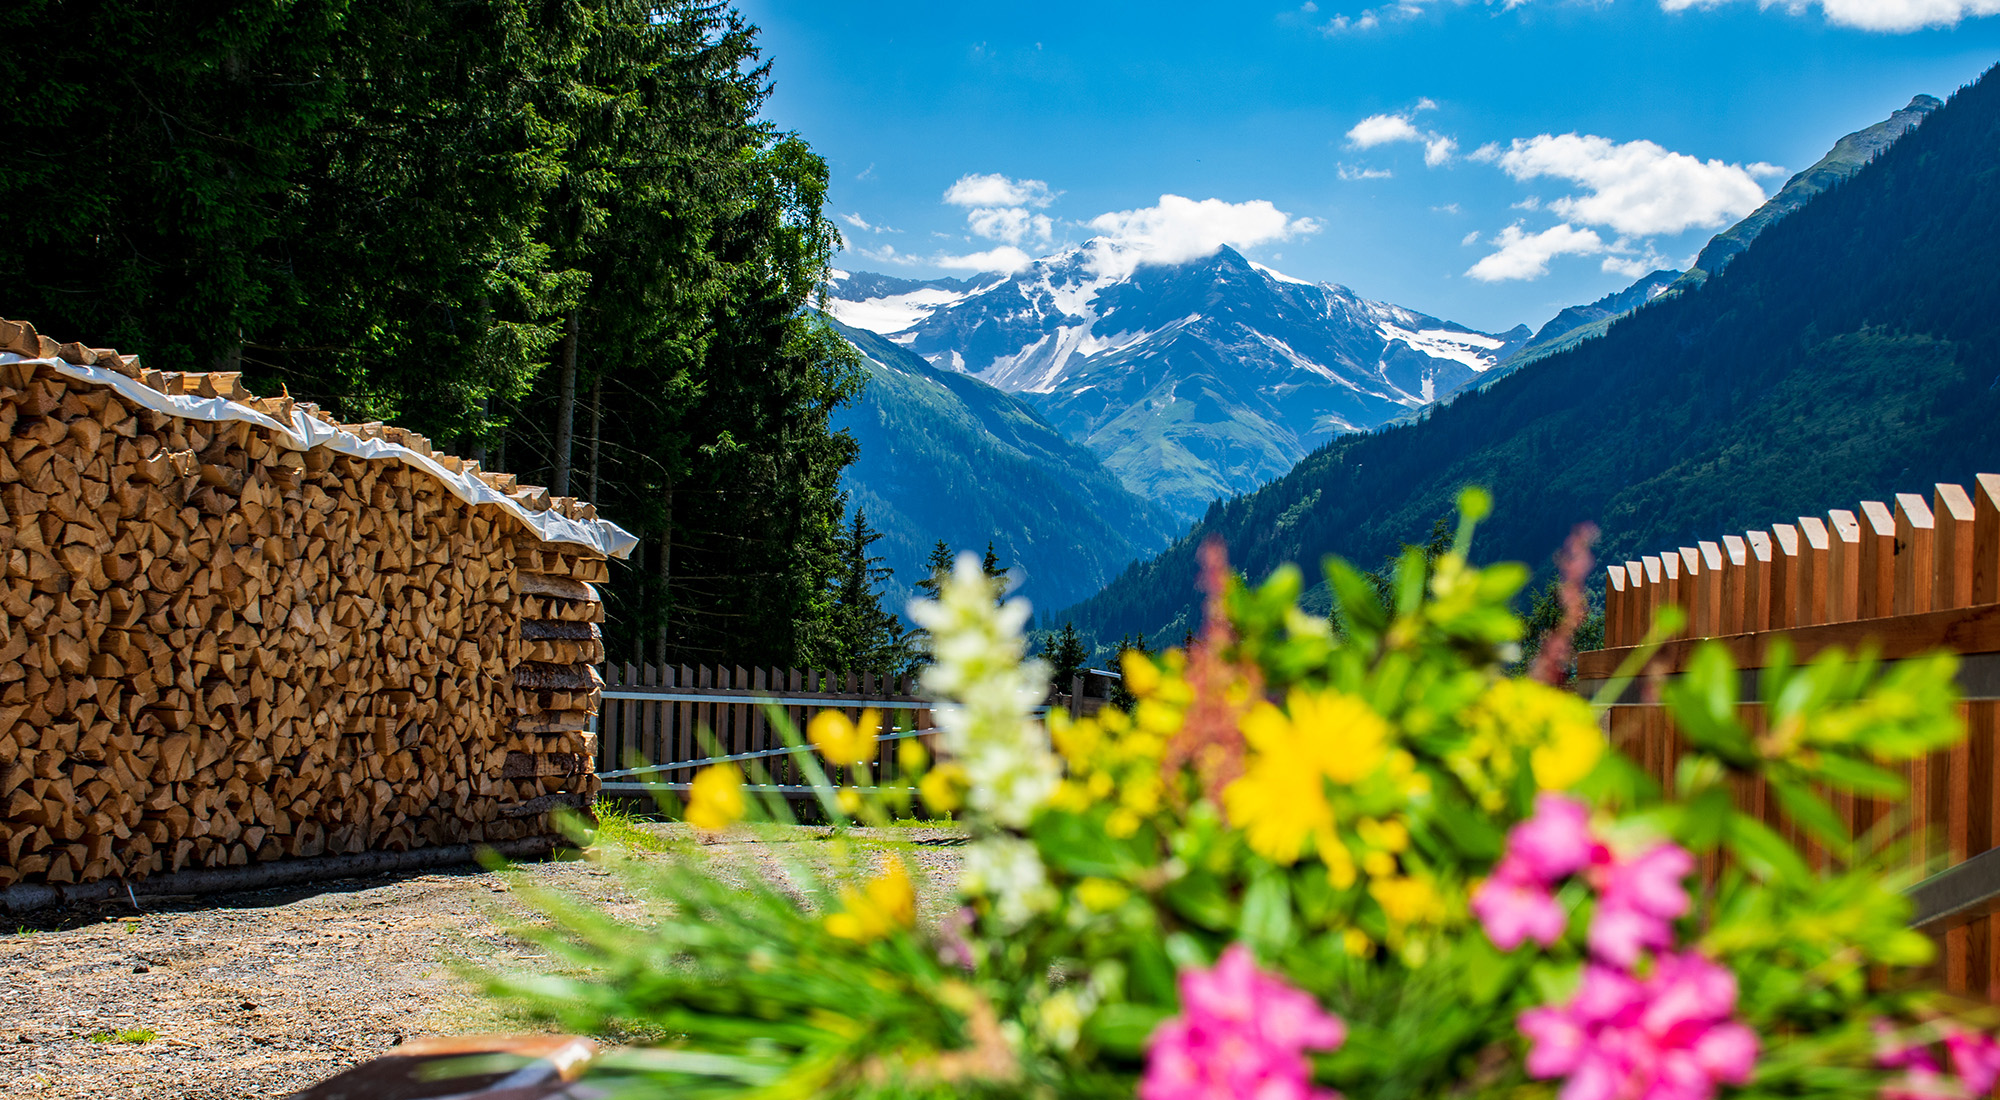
x: 217, y: 650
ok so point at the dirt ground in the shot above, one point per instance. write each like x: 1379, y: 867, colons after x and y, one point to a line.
x: 260, y: 993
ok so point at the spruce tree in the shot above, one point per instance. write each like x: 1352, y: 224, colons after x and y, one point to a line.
x: 857, y: 634
x: 1067, y: 658
x: 936, y: 568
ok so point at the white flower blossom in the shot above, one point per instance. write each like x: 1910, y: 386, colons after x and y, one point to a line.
x: 1008, y: 872
x: 988, y: 695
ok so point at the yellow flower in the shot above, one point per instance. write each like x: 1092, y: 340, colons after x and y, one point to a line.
x: 1101, y: 894
x: 911, y: 756
x: 1346, y: 739
x: 943, y: 788
x: 1142, y: 676
x: 1407, y: 900
x: 1357, y: 943
x: 849, y: 800
x: 843, y: 742
x: 1281, y: 798
x: 715, y: 798
x: 1122, y: 823
x: 1557, y: 730
x: 887, y: 903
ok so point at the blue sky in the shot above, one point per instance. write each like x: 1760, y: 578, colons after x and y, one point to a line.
x: 1485, y: 163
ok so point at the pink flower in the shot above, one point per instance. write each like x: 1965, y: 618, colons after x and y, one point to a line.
x: 1241, y: 1033
x: 1975, y: 1058
x: 1650, y: 883
x: 1617, y: 934
x: 1556, y: 842
x: 1670, y: 1037
x: 1512, y: 907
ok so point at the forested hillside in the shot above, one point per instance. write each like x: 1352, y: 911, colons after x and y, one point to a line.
x: 1852, y: 350
x: 560, y: 239
x: 947, y: 457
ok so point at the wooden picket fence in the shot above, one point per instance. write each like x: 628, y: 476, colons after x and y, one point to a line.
x: 1907, y: 578
x: 661, y: 715
x: 659, y: 723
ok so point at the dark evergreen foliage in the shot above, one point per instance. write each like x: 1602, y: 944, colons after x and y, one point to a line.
x: 402, y: 211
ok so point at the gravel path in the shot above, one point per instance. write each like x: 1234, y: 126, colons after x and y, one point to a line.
x: 260, y: 993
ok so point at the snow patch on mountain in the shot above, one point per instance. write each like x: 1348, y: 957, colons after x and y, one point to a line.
x: 891, y: 312
x: 1474, y: 349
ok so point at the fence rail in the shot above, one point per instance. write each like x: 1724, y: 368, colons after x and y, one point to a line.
x: 658, y: 724
x: 671, y: 720
x: 1908, y: 577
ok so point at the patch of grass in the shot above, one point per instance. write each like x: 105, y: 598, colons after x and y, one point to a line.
x: 134, y: 1035
x: 620, y: 826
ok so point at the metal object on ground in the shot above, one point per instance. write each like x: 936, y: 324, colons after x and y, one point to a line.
x: 468, y: 1067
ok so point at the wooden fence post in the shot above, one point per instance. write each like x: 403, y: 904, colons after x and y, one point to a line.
x: 1951, y: 585
x: 1877, y: 594
x: 1734, y: 584
x: 1757, y: 585
x: 1785, y: 561
x: 1916, y: 554
x: 1614, y: 605
x: 1843, y: 573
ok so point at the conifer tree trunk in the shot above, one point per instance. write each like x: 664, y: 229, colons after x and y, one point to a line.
x: 565, y: 405
x: 666, y: 571
x: 596, y: 429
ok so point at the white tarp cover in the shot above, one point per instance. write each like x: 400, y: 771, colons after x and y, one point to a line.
x: 306, y: 432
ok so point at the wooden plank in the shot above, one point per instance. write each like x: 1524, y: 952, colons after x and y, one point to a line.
x: 1639, y: 618
x: 1785, y: 565
x: 740, y: 714
x: 1843, y: 572
x: 686, y: 745
x: 1614, y: 605
x: 1693, y: 594
x: 1815, y: 596
x: 1733, y: 585
x: 1876, y: 594
x: 1709, y: 588
x: 1951, y: 583
x: 1757, y: 570
x: 1656, y: 587
x: 1916, y: 555
x: 1986, y: 540
x: 1674, y: 592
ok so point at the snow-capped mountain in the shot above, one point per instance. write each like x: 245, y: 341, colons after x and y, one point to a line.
x: 1191, y: 381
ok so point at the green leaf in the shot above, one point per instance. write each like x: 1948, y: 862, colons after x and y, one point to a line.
x: 1124, y: 1028
x: 1859, y: 776
x: 1811, y: 812
x: 1763, y: 852
x: 1267, y: 913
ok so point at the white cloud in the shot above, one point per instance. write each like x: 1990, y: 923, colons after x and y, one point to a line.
x: 997, y: 190
x: 1006, y: 260
x: 1526, y: 255
x: 1180, y: 229
x: 1381, y: 130
x: 1347, y: 173
x: 1630, y: 268
x: 1637, y: 188
x: 1469, y: 238
x: 1887, y: 16
x: 1012, y: 224
x: 1447, y: 208
x: 858, y: 222
x: 1388, y: 129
